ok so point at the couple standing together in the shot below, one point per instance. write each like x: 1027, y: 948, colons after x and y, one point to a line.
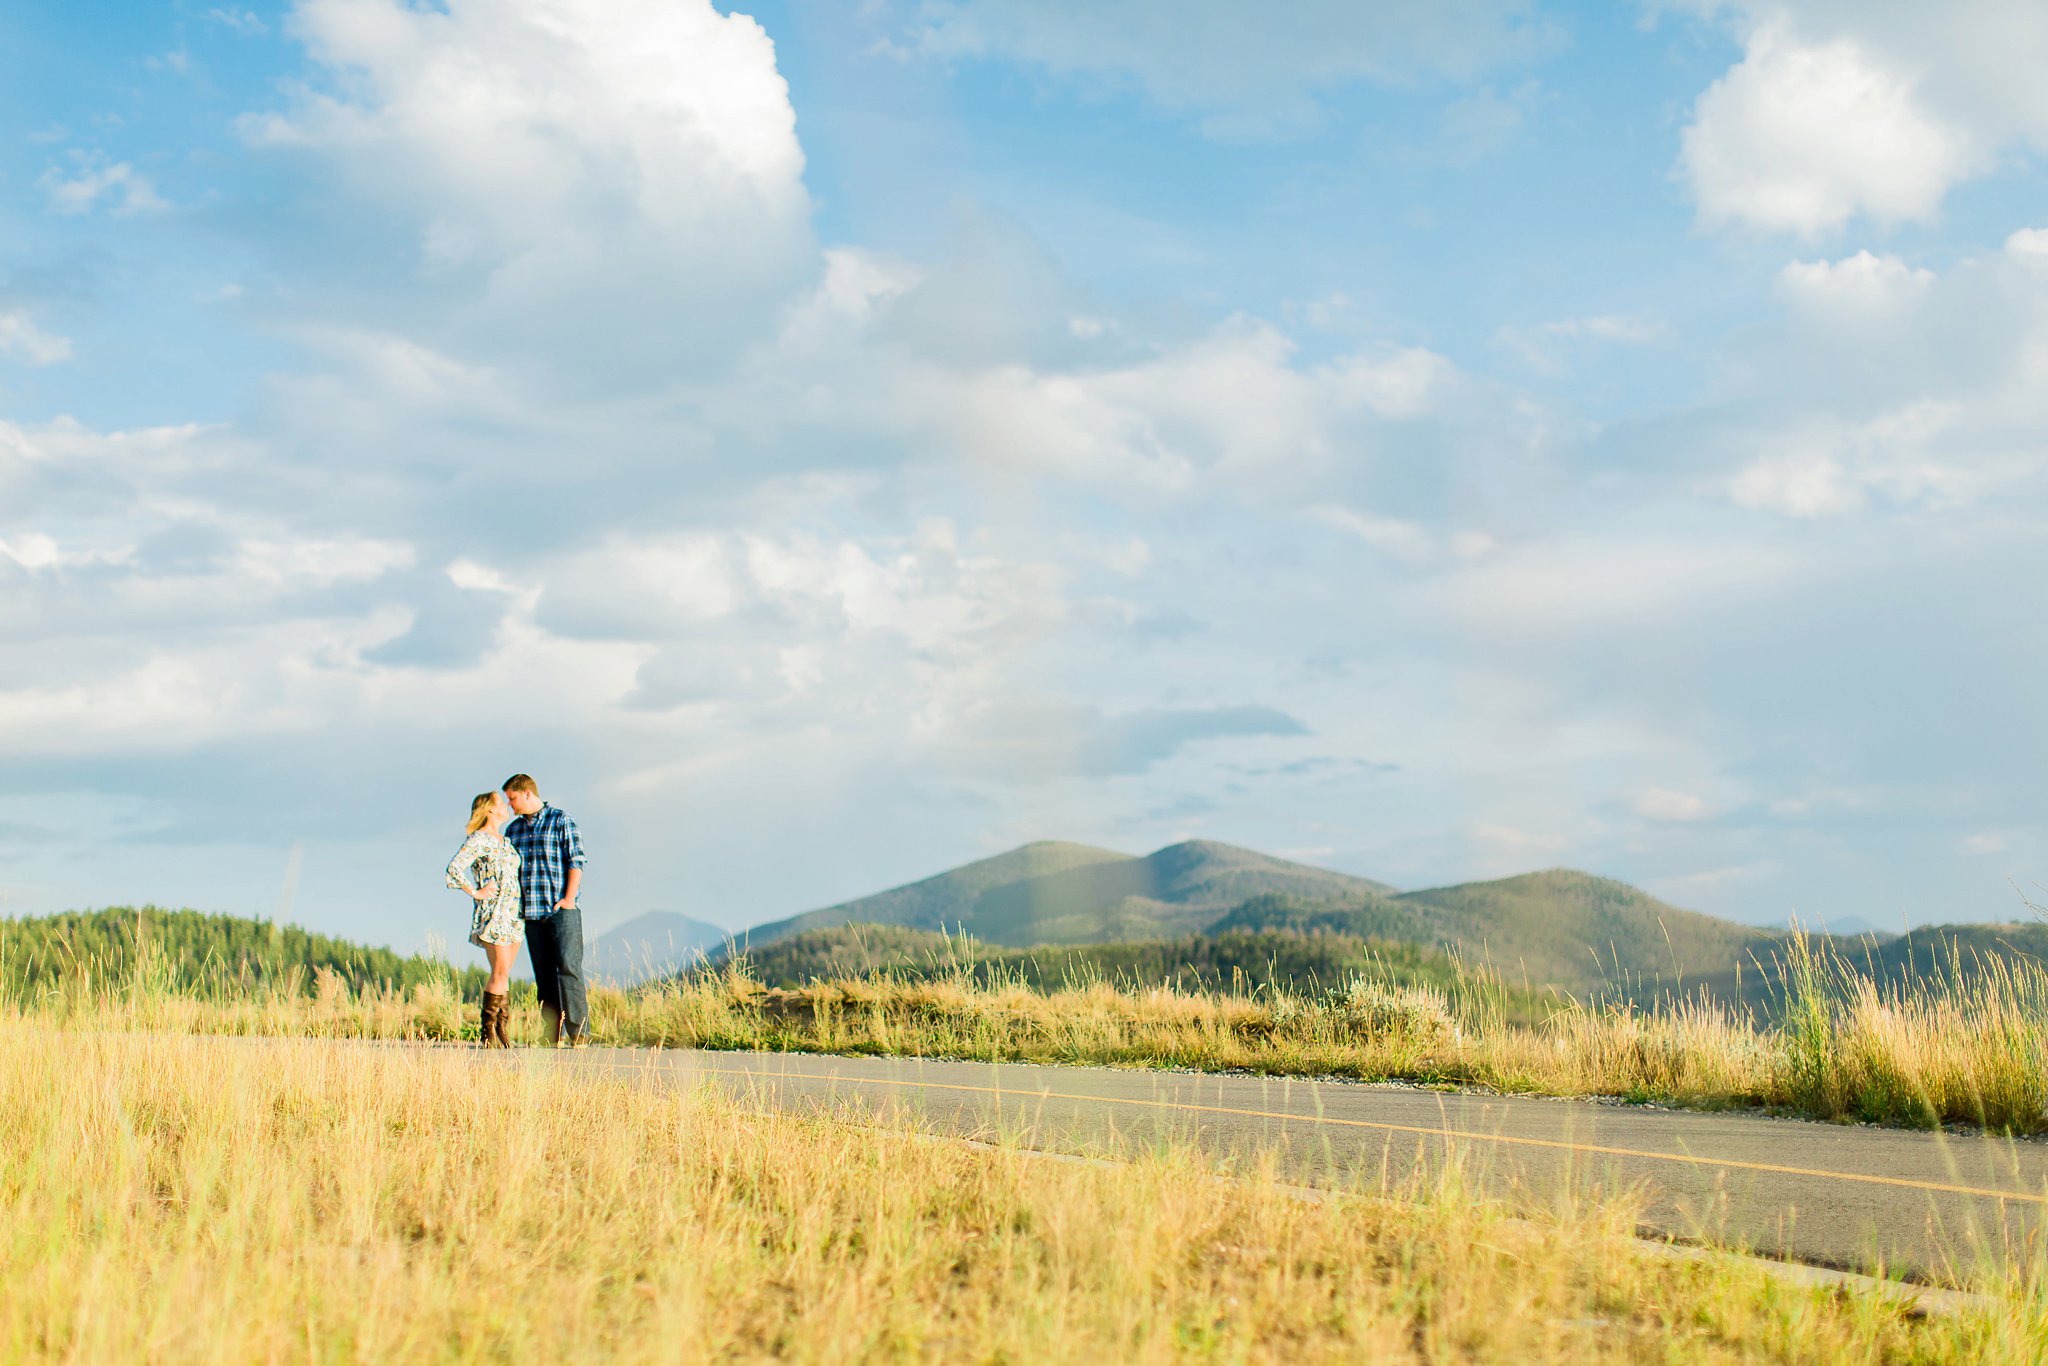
x: 522, y: 864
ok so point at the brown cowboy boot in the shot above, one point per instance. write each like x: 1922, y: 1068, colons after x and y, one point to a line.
x: 503, y: 1030
x: 495, y: 1008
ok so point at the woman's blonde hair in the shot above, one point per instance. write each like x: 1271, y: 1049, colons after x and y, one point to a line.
x: 480, y: 811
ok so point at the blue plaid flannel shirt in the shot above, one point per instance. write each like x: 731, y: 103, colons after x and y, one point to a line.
x: 549, y: 846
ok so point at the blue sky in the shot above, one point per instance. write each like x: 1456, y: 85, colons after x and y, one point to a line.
x: 830, y: 442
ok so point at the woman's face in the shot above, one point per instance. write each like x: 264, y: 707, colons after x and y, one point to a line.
x: 501, y: 810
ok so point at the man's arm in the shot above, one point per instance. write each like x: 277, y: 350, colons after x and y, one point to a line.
x: 572, y: 859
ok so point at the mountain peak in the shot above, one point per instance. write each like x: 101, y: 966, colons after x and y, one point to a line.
x: 650, y: 945
x: 1189, y: 849
x: 1056, y: 892
x: 1030, y: 845
x: 1567, y: 880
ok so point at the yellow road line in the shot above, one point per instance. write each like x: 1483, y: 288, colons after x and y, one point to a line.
x: 1775, y: 1169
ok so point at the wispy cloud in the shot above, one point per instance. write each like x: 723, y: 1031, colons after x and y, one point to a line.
x: 1544, y: 346
x: 1665, y: 804
x: 117, y: 185
x: 1244, y: 71
x: 239, y: 20
x: 22, y: 339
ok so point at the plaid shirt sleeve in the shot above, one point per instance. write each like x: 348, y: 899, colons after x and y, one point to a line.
x: 569, y: 844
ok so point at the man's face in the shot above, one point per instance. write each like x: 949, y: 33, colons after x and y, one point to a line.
x: 525, y: 803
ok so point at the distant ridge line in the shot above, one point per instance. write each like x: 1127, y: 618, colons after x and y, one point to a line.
x: 1557, y: 927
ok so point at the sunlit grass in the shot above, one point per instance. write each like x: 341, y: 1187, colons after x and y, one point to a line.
x: 1965, y: 1047
x: 180, y: 1198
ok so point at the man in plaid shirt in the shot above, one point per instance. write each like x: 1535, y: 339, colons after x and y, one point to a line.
x: 550, y: 875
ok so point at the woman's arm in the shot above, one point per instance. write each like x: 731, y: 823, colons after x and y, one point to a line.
x: 461, y: 872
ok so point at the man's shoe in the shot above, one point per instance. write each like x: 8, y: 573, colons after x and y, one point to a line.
x: 550, y: 1026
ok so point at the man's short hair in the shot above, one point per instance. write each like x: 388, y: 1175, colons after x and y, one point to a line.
x: 519, y: 782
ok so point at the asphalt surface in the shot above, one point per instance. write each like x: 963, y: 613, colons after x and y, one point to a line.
x: 1933, y: 1206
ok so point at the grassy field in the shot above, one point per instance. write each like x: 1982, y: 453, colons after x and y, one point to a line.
x: 1963, y: 1043
x: 190, y: 1198
x: 1961, y: 1049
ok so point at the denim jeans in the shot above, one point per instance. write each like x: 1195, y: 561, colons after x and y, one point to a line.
x: 555, y: 943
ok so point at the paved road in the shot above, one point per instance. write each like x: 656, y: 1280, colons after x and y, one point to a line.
x: 1926, y: 1204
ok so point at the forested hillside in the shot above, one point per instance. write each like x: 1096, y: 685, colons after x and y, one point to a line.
x: 1554, y: 931
x: 1299, y: 962
x: 1588, y: 935
x: 195, y: 951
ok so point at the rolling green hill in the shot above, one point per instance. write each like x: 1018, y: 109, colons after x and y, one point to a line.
x: 1587, y: 935
x: 1591, y: 936
x: 1935, y: 952
x: 1597, y: 938
x: 945, y: 900
x: 1304, y: 945
x: 1584, y: 934
x: 1051, y: 893
x: 1177, y: 890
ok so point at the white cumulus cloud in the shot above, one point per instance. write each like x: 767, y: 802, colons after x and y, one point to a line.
x: 1896, y: 385
x: 604, y: 166
x: 1842, y: 108
x: 1802, y: 136
x: 1855, y: 289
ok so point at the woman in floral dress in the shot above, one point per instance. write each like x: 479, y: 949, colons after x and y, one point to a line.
x: 487, y: 867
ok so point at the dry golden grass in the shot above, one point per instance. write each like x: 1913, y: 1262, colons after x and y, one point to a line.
x: 178, y: 1198
x: 1958, y: 1049
x: 1970, y: 1050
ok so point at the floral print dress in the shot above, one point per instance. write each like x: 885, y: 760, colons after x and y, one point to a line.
x: 483, y: 858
